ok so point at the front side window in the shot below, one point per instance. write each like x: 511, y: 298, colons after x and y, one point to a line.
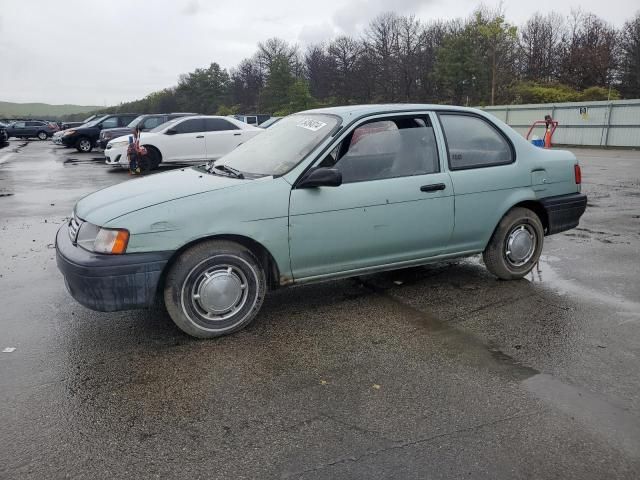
x: 19, y: 125
x: 473, y: 143
x: 390, y: 148
x: 193, y: 125
x: 110, y: 122
x: 218, y: 125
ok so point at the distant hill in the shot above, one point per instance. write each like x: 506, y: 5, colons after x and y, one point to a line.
x: 44, y: 110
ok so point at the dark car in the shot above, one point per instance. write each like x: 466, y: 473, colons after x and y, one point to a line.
x: 4, y: 137
x: 31, y: 128
x: 67, y: 125
x: 144, y: 122
x: 85, y: 137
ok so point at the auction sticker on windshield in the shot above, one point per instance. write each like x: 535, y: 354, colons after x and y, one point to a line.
x: 311, y: 124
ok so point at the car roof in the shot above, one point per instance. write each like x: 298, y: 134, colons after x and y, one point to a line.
x: 350, y: 112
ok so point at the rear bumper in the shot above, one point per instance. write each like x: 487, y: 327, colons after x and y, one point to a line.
x: 564, y: 211
x: 108, y: 283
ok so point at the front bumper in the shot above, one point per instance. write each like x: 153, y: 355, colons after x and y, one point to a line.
x: 564, y: 211
x: 116, y: 157
x: 108, y: 283
x: 69, y: 140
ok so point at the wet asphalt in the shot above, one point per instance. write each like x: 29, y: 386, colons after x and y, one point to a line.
x: 434, y: 372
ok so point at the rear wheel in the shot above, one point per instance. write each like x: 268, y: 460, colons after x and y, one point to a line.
x: 215, y: 288
x: 516, y: 244
x: 42, y: 135
x: 84, y: 145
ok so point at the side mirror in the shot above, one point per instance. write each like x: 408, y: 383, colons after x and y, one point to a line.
x: 171, y: 131
x: 321, y: 177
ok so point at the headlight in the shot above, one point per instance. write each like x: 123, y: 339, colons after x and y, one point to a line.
x: 69, y: 132
x: 102, y: 240
x: 121, y: 143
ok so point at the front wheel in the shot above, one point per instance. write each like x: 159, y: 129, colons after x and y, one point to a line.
x: 42, y: 135
x: 516, y: 244
x: 84, y: 145
x: 215, y: 288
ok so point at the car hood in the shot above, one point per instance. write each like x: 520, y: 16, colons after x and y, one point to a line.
x: 112, y: 202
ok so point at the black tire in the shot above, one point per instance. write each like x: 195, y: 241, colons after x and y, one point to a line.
x: 154, y: 156
x: 516, y: 244
x: 84, y: 145
x: 208, y: 279
x: 42, y: 135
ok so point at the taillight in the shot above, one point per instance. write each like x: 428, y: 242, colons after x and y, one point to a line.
x: 578, y: 174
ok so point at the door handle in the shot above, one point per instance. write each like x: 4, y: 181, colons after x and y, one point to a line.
x: 237, y: 134
x: 200, y: 136
x: 433, y: 187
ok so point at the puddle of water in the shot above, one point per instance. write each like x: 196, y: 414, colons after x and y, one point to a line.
x: 546, y: 275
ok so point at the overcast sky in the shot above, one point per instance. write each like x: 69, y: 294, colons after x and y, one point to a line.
x: 96, y: 53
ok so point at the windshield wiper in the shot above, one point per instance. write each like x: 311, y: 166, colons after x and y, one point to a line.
x: 228, y: 171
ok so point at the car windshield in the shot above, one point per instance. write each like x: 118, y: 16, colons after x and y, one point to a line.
x: 281, y: 147
x: 168, y: 124
x: 134, y: 123
x: 93, y: 123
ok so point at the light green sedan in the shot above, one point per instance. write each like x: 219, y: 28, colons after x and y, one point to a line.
x: 322, y: 194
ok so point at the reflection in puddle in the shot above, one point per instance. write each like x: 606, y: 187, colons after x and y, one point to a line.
x: 544, y: 274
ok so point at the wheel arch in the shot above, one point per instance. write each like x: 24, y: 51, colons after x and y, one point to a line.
x: 266, y: 259
x: 150, y: 146
x: 531, y: 204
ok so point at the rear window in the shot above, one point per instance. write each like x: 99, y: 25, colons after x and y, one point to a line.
x: 473, y: 143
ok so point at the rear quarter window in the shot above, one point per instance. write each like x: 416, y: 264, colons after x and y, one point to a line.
x: 473, y: 142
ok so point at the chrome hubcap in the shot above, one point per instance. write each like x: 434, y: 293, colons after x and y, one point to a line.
x: 521, y: 245
x: 84, y: 145
x: 219, y: 292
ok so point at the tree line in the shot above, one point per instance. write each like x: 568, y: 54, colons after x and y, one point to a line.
x: 479, y: 60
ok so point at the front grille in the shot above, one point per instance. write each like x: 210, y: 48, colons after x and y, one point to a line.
x: 74, y: 226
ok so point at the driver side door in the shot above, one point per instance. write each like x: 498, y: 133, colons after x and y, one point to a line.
x: 187, y: 144
x: 395, y: 204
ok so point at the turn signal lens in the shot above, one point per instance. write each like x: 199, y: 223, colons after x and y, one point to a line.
x: 578, y: 174
x: 111, y: 241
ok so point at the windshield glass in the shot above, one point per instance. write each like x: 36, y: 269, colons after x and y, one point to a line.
x: 134, y: 123
x: 282, y: 146
x: 168, y: 124
x: 93, y: 123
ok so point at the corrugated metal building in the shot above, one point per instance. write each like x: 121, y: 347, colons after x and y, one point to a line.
x: 608, y: 124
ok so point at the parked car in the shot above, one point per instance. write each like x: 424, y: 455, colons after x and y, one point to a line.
x: 85, y: 137
x: 190, y: 139
x: 270, y: 122
x: 4, y: 137
x: 302, y: 203
x: 30, y: 129
x: 252, y: 119
x: 144, y: 122
x: 68, y: 125
x: 57, y: 137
